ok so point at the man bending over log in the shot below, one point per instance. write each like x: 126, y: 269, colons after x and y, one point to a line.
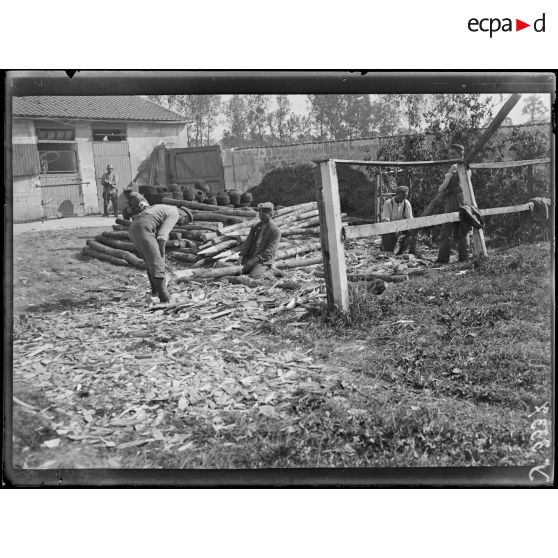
x: 396, y: 209
x: 149, y: 232
x: 258, y: 252
x: 135, y: 203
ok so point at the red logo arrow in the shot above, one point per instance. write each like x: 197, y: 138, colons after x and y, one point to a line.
x: 519, y: 25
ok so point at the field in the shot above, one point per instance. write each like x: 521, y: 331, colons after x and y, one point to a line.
x: 447, y: 369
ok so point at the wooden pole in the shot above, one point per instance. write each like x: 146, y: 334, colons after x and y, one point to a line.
x: 378, y: 201
x: 331, y: 230
x: 479, y: 246
x: 491, y: 128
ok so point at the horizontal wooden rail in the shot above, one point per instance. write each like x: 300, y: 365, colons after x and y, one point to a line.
x: 395, y: 163
x: 509, y: 164
x: 361, y: 231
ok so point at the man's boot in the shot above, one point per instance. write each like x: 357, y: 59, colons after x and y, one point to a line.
x: 161, y: 288
x: 444, y: 251
x: 463, y: 249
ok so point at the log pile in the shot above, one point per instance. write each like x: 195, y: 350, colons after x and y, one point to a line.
x: 210, y: 247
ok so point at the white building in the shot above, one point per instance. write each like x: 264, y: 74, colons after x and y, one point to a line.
x: 62, y: 145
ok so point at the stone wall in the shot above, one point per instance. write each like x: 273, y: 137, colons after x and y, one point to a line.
x: 246, y: 167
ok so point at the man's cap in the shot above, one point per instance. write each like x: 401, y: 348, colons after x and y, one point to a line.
x: 128, y: 188
x: 457, y: 147
x: 110, y: 167
x: 265, y: 206
x: 404, y: 189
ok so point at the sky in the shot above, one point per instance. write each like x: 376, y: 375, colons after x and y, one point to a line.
x: 299, y: 106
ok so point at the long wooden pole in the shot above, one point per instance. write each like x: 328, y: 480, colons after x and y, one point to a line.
x: 491, y: 128
x: 331, y: 230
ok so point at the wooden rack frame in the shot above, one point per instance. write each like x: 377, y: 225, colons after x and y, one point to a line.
x: 333, y: 233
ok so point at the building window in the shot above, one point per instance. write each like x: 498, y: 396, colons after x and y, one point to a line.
x: 109, y: 134
x: 55, y: 134
x: 57, y: 157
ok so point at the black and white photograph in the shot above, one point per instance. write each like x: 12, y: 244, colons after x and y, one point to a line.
x: 280, y: 282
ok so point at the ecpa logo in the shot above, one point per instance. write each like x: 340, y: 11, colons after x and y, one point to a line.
x: 494, y: 24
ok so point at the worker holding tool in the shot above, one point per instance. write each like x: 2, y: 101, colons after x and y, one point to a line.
x: 396, y: 209
x: 150, y: 231
x: 109, y: 182
x: 258, y: 252
x: 135, y: 203
x: 453, y: 202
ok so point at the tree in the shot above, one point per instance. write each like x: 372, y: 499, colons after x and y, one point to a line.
x: 340, y: 117
x: 202, y: 109
x: 235, y: 118
x: 257, y: 116
x: 280, y: 117
x: 534, y: 107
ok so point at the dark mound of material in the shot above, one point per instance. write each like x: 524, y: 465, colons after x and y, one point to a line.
x: 294, y: 184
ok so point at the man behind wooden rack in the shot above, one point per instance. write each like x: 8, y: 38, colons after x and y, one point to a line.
x: 396, y: 209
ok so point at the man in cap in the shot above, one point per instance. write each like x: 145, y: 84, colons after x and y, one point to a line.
x: 258, y: 252
x: 395, y: 209
x: 109, y: 181
x: 149, y: 231
x: 453, y: 201
x: 135, y: 203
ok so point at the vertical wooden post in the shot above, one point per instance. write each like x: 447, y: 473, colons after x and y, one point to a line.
x: 378, y: 200
x: 479, y: 247
x: 333, y: 251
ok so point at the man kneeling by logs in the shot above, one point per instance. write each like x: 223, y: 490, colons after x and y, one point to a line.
x: 149, y: 232
x: 258, y: 252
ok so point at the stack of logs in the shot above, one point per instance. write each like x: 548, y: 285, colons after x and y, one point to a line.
x: 209, y: 247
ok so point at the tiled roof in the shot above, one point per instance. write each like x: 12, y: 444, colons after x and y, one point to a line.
x: 114, y: 107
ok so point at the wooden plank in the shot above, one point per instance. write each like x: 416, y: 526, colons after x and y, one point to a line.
x: 331, y: 227
x: 509, y: 164
x: 491, y: 128
x: 479, y: 246
x: 362, y: 231
x: 396, y: 163
x: 508, y: 209
x: 530, y: 182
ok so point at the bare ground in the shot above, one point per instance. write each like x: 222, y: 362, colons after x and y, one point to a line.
x: 445, y: 369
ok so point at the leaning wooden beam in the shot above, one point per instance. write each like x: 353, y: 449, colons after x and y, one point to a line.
x: 396, y: 163
x: 491, y: 128
x: 479, y: 246
x: 509, y: 164
x: 362, y: 231
x: 333, y: 251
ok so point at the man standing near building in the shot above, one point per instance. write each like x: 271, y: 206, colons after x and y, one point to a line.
x: 257, y: 254
x: 396, y: 209
x: 109, y: 181
x: 453, y: 201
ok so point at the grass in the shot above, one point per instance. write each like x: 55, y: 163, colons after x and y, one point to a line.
x: 446, y: 369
